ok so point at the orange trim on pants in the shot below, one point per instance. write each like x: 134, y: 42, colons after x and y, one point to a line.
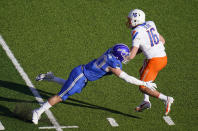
x: 151, y: 68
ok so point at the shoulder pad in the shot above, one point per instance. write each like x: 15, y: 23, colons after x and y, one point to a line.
x: 150, y: 22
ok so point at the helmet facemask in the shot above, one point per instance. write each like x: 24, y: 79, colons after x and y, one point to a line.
x: 128, y: 23
x: 125, y: 56
x: 125, y: 60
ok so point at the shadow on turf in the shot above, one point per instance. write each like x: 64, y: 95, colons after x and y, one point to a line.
x: 92, y: 106
x: 25, y: 90
x: 22, y: 108
x: 20, y: 114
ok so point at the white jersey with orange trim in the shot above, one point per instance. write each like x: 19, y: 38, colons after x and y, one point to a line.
x: 146, y: 38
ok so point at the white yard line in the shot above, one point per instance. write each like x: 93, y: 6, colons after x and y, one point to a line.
x: 168, y: 120
x: 52, y: 127
x: 28, y: 82
x: 112, y: 122
x: 1, y: 126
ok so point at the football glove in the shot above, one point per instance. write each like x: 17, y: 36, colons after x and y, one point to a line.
x: 151, y: 85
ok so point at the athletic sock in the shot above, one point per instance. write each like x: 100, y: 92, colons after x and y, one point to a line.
x: 162, y: 97
x: 44, y: 107
x: 146, y: 97
x: 59, y: 80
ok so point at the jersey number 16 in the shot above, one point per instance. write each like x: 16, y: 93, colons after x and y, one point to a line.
x: 153, y: 37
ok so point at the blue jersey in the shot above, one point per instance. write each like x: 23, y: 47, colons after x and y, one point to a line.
x: 98, y: 67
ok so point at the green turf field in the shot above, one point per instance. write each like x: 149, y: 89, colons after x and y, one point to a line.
x: 58, y: 35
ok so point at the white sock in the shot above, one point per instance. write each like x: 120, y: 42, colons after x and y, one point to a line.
x: 162, y: 97
x: 44, y: 107
x: 59, y: 80
x: 146, y: 97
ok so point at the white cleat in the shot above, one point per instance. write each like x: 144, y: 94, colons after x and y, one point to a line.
x: 168, y: 104
x: 48, y: 76
x: 35, y: 117
x: 144, y: 105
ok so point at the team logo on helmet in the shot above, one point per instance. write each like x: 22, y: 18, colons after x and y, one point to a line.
x: 123, y: 52
x: 135, y: 14
x: 135, y: 17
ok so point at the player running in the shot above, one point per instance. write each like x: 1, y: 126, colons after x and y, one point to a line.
x: 146, y: 39
x: 109, y: 63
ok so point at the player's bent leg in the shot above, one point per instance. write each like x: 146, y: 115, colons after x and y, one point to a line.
x: 144, y: 105
x: 168, y: 104
x: 147, y: 74
x: 47, y: 76
x: 149, y: 92
x: 150, y: 73
x: 74, y: 84
x: 73, y: 87
x: 59, y: 80
x: 36, y: 114
x: 167, y: 99
x: 54, y: 100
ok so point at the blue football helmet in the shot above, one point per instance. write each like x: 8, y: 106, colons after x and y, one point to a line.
x: 121, y: 52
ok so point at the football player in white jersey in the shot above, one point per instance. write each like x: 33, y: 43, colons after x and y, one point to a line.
x: 146, y: 39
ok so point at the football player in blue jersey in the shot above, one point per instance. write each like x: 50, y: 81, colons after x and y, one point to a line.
x: 109, y: 63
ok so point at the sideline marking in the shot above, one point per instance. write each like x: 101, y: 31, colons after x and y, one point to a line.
x: 52, y: 127
x: 28, y: 82
x: 1, y: 126
x: 112, y: 122
x: 168, y: 120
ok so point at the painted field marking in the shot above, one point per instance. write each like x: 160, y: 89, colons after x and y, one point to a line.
x: 112, y: 122
x: 168, y: 120
x: 1, y: 126
x: 52, y: 127
x: 28, y: 82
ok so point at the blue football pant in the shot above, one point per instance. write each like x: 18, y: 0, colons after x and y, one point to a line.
x: 74, y: 83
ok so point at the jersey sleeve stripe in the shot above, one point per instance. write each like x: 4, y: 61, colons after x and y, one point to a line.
x: 134, y: 35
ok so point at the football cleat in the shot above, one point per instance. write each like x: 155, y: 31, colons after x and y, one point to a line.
x: 144, y: 105
x: 35, y: 117
x: 168, y: 104
x: 47, y: 76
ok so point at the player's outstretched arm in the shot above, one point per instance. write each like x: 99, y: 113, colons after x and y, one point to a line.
x: 130, y: 79
x: 133, y: 52
x: 161, y: 38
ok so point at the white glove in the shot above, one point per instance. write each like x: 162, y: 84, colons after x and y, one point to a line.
x: 150, y: 85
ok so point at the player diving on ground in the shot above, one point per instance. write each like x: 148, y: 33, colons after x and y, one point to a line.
x: 109, y: 63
